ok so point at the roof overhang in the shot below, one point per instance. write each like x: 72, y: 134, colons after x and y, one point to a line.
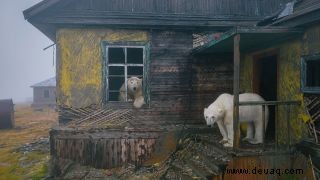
x: 307, y: 15
x: 50, y: 15
x: 38, y: 8
x: 251, y: 39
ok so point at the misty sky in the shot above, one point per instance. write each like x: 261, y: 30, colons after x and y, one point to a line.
x: 22, y: 59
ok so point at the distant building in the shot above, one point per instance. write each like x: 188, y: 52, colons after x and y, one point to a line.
x: 44, y: 94
x: 6, y: 114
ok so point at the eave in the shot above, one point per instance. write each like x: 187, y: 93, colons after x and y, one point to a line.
x: 38, y: 8
x: 251, y: 39
x: 301, y: 17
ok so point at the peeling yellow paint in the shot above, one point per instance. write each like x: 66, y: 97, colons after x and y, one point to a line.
x: 288, y: 88
x: 246, y: 74
x: 79, y: 69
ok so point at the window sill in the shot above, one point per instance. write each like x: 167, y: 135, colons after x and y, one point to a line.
x: 315, y: 90
x: 124, y: 105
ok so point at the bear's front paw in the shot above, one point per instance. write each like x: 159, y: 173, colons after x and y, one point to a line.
x: 223, y: 141
x: 228, y: 144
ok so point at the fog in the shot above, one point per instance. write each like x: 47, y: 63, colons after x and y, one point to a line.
x: 22, y: 59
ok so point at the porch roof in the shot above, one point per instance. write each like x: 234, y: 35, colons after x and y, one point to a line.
x: 252, y: 39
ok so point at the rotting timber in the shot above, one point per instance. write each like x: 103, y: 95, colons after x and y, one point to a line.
x: 195, y: 153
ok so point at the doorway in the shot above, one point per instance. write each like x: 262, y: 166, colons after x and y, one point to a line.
x: 265, y: 84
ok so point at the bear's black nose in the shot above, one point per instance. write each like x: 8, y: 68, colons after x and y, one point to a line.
x: 209, y: 125
x: 134, y: 88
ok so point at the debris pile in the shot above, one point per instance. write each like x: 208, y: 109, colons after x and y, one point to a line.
x: 41, y: 145
x: 197, y: 156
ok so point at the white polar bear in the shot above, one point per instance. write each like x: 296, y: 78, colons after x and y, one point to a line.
x: 135, y: 92
x: 221, y: 112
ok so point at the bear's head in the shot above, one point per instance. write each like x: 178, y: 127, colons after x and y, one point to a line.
x: 213, y: 115
x: 134, y: 84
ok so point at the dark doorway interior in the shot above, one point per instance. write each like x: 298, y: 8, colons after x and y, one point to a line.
x: 265, y: 84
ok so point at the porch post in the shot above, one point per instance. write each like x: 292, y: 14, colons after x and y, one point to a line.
x: 236, y: 79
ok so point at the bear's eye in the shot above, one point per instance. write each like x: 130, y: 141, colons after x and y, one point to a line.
x: 213, y: 117
x: 206, y: 117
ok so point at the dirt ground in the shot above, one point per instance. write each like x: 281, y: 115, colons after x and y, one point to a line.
x: 24, y: 150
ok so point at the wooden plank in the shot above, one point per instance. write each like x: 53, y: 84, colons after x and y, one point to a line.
x: 236, y: 80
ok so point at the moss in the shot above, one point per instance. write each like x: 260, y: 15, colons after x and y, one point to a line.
x: 288, y: 87
x: 18, y: 165
x: 246, y: 74
x: 40, y: 173
x: 79, y: 70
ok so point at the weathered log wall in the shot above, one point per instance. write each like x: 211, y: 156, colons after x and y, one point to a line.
x: 180, y: 85
x: 103, y: 148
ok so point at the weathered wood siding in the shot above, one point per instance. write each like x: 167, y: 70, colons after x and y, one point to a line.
x: 170, y: 75
x: 211, y: 76
x: 39, y: 101
x: 180, y: 86
x: 6, y: 114
x: 110, y: 148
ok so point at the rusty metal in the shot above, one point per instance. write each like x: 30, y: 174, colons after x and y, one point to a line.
x: 6, y: 114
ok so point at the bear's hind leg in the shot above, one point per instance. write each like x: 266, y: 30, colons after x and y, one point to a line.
x: 250, y: 131
x: 259, y: 132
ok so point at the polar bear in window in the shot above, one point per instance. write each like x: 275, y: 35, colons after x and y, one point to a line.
x: 135, y: 92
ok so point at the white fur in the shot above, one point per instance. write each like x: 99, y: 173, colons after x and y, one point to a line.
x: 221, y: 112
x: 135, y: 92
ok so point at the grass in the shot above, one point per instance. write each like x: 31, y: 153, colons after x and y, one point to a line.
x: 29, y: 127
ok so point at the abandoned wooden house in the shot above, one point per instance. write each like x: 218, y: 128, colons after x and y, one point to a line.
x: 187, y: 52
x: 44, y: 94
x: 6, y: 114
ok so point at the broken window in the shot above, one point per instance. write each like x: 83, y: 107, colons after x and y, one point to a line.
x: 123, y: 62
x: 310, y: 74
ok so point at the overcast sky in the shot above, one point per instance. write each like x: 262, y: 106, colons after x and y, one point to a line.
x: 22, y: 59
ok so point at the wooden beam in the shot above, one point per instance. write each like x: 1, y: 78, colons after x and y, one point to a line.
x: 236, y: 79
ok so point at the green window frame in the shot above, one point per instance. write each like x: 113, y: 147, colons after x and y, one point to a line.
x: 310, y: 74
x: 111, y: 69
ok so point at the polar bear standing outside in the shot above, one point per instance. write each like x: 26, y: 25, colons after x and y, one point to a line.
x: 135, y: 92
x: 221, y: 112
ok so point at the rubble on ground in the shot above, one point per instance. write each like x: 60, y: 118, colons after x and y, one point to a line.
x: 196, y: 157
